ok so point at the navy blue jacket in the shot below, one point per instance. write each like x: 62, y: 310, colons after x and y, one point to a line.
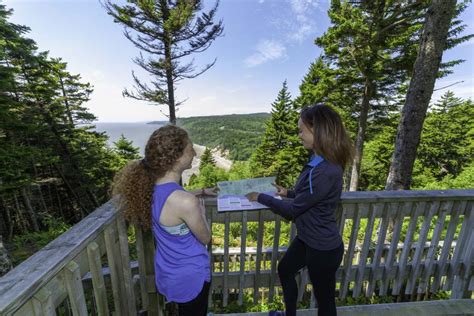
x: 312, y: 204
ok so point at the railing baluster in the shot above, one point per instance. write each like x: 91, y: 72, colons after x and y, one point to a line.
x: 365, y: 250
x: 275, y: 253
x: 446, y: 266
x: 258, y: 280
x: 72, y: 277
x: 383, y: 226
x: 429, y: 260
x: 350, y: 251
x: 433, y: 209
x: 456, y: 217
x: 209, y: 216
x: 243, y: 240
x: 388, y: 264
x: 95, y: 266
x: 115, y: 272
x: 43, y: 303
x: 402, y: 263
x: 225, y: 290
x: 141, y: 266
x: 125, y: 262
x: 464, y: 246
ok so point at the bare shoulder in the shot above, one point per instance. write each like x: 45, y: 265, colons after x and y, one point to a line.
x: 183, y: 201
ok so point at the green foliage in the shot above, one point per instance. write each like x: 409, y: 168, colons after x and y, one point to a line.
x: 125, y: 149
x: 445, y: 153
x: 51, y: 159
x: 166, y: 31
x: 27, y: 244
x: 237, y: 135
x: 447, y: 142
x: 207, y: 159
x: 207, y: 178
x: 280, y: 154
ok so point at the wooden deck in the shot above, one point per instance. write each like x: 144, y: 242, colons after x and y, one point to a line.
x: 431, y: 308
x: 435, y: 251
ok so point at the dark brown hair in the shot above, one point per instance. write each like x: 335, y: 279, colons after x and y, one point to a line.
x: 330, y: 137
x: 135, y: 182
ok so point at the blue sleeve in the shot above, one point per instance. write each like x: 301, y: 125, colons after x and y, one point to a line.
x: 290, y: 194
x: 303, y: 201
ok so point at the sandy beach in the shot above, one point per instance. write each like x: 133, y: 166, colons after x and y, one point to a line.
x: 221, y: 162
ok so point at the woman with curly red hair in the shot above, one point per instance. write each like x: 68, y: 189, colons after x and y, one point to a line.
x: 153, y: 197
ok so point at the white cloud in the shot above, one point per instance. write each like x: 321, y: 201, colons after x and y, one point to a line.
x: 267, y: 50
x: 207, y: 99
x: 304, y: 13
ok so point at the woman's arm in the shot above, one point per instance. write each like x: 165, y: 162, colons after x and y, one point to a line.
x: 303, y: 201
x: 192, y: 212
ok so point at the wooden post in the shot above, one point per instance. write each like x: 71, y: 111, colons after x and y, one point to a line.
x: 243, y: 239
x: 43, y: 304
x: 116, y: 276
x: 275, y: 253
x: 72, y: 277
x: 95, y: 266
x: 127, y: 273
x: 225, y: 290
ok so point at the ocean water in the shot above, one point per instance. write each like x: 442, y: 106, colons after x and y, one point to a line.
x: 138, y: 133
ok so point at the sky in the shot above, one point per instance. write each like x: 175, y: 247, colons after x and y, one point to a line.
x: 265, y: 42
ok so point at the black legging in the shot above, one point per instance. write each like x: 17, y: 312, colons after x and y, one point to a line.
x: 197, y: 306
x: 322, y: 267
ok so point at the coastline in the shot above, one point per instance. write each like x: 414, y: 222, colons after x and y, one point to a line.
x: 221, y: 162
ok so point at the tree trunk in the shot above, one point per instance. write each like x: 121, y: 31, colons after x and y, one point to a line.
x: 433, y: 42
x: 5, y: 262
x: 66, y: 101
x: 169, y: 66
x: 29, y: 209
x: 359, y: 145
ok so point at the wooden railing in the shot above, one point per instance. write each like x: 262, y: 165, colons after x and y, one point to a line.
x: 401, y: 242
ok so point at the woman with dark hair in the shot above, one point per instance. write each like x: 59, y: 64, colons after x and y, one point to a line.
x: 311, y: 206
x: 150, y: 191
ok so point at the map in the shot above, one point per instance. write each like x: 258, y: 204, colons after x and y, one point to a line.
x: 232, y: 193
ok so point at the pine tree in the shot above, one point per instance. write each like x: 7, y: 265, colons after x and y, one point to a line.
x: 207, y: 159
x: 125, y: 149
x: 371, y: 47
x: 447, y: 144
x: 49, y: 164
x: 426, y: 69
x: 167, y: 31
x: 280, y: 153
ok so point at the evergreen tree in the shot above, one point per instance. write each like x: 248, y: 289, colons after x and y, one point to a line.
x: 447, y: 144
x: 371, y: 48
x: 125, y: 149
x: 207, y: 159
x: 280, y: 153
x: 426, y: 68
x: 49, y: 164
x: 167, y: 31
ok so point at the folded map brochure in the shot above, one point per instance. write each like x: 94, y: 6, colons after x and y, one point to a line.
x: 232, y: 193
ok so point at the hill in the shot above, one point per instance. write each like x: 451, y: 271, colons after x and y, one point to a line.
x: 237, y: 135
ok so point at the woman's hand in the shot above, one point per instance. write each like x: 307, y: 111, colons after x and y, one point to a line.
x: 252, y: 196
x: 206, y: 192
x: 281, y: 191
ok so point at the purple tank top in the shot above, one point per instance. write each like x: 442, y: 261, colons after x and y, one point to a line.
x: 181, y: 262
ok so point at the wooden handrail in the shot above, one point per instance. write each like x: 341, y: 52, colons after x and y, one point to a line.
x: 380, y: 263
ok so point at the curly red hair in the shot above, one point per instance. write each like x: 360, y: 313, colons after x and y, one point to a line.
x: 135, y: 182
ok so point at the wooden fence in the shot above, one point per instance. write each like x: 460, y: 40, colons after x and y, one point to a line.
x: 401, y: 242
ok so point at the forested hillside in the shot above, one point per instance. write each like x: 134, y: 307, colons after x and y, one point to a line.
x: 237, y: 135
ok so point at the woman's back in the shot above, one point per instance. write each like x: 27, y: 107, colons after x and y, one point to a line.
x: 181, y: 260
